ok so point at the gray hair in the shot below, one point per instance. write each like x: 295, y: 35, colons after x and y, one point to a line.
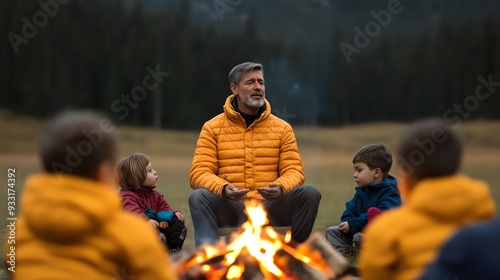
x: 240, y: 69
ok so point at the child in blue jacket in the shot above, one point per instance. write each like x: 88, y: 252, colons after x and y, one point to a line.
x: 376, y: 191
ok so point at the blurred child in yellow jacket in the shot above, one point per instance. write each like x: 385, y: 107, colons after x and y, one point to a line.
x: 399, y: 244
x: 71, y: 225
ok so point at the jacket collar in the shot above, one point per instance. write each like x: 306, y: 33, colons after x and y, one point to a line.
x: 236, y: 116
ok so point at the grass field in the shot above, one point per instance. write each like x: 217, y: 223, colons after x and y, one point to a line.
x: 326, y: 152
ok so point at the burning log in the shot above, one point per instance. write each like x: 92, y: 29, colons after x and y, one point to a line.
x: 317, y: 243
x: 258, y: 252
x: 296, y: 269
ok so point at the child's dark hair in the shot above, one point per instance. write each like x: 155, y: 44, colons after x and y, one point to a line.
x: 77, y: 143
x: 375, y: 155
x: 132, y: 171
x: 430, y: 148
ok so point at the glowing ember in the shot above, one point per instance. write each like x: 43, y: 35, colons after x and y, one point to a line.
x: 235, y: 272
x: 258, y: 247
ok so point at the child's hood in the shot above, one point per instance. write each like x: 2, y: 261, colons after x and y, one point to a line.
x: 65, y: 209
x: 389, y: 182
x: 453, y: 198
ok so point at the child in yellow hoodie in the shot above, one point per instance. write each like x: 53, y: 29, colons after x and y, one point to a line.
x: 399, y: 244
x: 71, y: 225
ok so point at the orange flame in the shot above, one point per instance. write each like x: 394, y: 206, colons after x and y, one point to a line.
x: 259, y: 241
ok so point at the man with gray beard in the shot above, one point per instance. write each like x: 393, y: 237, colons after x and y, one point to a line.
x: 248, y: 153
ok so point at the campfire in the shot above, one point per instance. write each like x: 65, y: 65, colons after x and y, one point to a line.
x: 257, y: 251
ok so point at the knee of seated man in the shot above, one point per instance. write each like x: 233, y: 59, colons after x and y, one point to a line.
x: 198, y: 195
x: 311, y: 192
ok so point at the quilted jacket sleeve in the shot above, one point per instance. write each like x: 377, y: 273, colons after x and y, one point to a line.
x: 291, y: 169
x: 203, y: 173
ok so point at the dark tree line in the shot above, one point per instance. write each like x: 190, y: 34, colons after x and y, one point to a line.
x: 452, y: 72
x: 159, y: 68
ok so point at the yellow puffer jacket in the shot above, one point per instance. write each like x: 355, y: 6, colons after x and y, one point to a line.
x: 74, y: 228
x: 229, y: 152
x: 399, y: 244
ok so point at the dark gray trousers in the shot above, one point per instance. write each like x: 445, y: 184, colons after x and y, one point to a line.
x: 343, y: 242
x: 297, y: 208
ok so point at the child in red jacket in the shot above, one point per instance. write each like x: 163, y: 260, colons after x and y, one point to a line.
x: 138, y: 180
